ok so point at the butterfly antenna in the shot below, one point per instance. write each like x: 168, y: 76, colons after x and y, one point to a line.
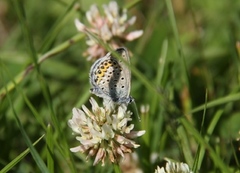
x: 136, y: 110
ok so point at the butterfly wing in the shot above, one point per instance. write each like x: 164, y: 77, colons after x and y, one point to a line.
x: 110, y: 78
x: 125, y: 80
x: 98, y: 78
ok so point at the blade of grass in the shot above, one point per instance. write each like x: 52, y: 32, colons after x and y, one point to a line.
x: 11, y: 164
x: 187, y: 104
x: 179, y: 45
x: 217, y: 102
x: 58, y: 49
x: 35, y: 155
x: 50, y: 145
x: 185, y: 145
x: 63, y: 138
x: 215, y: 158
x: 46, y: 93
x: 201, y: 149
x: 63, y: 141
x: 27, y: 101
x: 210, y: 129
x: 57, y: 27
x: 235, y: 155
x: 160, y: 71
x: 26, y: 32
x: 42, y: 81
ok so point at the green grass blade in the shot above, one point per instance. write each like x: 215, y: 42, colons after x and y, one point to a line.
x: 210, y: 129
x: 179, y: 45
x: 185, y: 144
x: 11, y: 164
x: 26, y: 32
x: 57, y: 27
x: 35, y: 155
x: 50, y: 147
x: 159, y: 76
x: 50, y: 54
x: 215, y: 158
x: 217, y: 102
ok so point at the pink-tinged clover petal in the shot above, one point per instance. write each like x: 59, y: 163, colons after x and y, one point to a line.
x: 119, y: 151
x: 92, y: 152
x: 134, y: 134
x: 100, y: 155
x: 81, y: 149
x: 75, y: 149
x: 134, y: 35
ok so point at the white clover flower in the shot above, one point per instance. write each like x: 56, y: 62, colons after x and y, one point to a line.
x: 110, y: 27
x: 103, y: 132
x: 173, y: 167
x: 159, y: 170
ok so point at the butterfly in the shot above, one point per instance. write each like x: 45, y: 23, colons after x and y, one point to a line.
x: 110, y: 78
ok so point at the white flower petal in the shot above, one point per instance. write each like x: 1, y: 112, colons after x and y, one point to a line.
x: 107, y: 132
x: 132, y: 20
x: 108, y: 14
x: 105, y: 33
x: 122, y: 123
x: 80, y: 26
x: 88, y: 112
x: 159, y: 170
x: 113, y: 7
x: 129, y: 128
x: 93, y: 14
x: 123, y: 18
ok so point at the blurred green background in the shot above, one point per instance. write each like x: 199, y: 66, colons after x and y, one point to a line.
x: 192, y: 63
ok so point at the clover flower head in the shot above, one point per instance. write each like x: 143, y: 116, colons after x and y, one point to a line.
x: 110, y: 27
x: 103, y: 132
x: 173, y: 167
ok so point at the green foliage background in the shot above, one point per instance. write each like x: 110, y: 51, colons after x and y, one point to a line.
x: 185, y: 67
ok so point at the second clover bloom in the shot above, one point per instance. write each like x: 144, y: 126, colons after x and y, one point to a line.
x: 173, y: 167
x: 110, y: 27
x: 103, y: 133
